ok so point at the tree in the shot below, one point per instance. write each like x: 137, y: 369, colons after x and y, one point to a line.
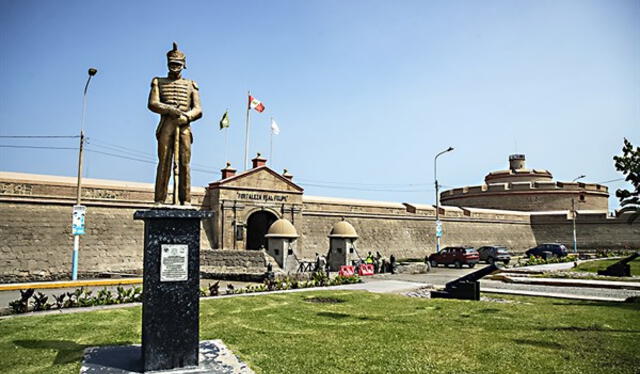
x: 629, y: 164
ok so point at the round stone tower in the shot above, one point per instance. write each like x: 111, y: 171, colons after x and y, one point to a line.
x: 519, y: 188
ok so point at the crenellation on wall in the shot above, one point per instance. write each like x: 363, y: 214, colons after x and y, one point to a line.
x: 497, y: 187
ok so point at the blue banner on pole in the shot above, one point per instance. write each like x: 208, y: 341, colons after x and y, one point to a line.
x: 77, y: 223
x: 439, y: 229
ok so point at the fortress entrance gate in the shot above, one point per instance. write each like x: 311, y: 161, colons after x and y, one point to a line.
x: 258, y: 224
x: 246, y: 204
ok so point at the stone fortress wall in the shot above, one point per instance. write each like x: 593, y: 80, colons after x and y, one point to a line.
x: 36, y: 240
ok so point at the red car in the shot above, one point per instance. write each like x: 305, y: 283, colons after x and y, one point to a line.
x: 455, y: 255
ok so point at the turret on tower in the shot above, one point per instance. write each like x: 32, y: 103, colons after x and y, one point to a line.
x: 516, y: 161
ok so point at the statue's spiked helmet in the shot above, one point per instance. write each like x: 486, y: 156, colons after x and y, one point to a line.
x: 177, y: 56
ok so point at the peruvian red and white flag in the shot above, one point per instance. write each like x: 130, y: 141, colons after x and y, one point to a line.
x: 256, y: 104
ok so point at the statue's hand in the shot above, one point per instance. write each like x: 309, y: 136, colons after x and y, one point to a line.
x: 175, y: 113
x: 183, y: 119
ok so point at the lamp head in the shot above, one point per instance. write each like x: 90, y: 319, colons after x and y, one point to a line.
x: 92, y: 71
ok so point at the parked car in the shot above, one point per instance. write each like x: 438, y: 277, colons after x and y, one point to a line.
x: 456, y: 256
x: 494, y: 253
x: 547, y: 250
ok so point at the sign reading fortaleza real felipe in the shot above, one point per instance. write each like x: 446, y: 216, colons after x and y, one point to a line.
x: 173, y: 262
x: 262, y: 197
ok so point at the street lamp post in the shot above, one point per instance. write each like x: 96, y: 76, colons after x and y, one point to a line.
x: 574, y: 215
x: 79, y: 210
x: 435, y: 178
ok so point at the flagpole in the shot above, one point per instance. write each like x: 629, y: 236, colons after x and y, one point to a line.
x: 225, y: 144
x: 226, y: 129
x: 246, y: 134
x: 271, y: 144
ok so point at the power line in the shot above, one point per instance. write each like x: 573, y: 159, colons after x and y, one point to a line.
x: 100, y: 143
x: 38, y: 136
x: 33, y: 147
x: 360, y: 189
x: 141, y: 160
x: 111, y: 148
x: 133, y: 151
x: 120, y: 156
x: 611, y: 181
x: 364, y: 184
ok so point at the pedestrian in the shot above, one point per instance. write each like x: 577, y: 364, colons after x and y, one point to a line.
x: 392, y: 264
x: 322, y: 263
x: 377, y: 262
x: 317, y: 268
x: 383, y: 264
x: 369, y: 259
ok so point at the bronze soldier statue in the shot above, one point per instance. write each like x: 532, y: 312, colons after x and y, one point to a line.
x: 177, y: 100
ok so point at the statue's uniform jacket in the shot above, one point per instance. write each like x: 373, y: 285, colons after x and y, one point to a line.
x: 167, y: 95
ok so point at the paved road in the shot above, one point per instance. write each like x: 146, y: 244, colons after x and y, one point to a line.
x: 437, y: 276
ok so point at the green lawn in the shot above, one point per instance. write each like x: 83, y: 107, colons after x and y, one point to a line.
x: 594, y: 266
x: 362, y: 333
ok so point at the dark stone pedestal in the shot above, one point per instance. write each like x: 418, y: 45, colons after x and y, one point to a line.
x: 170, y: 298
x: 215, y: 358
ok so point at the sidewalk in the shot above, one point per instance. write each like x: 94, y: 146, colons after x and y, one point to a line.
x: 570, y: 282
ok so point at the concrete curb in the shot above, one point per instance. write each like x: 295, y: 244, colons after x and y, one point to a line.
x: 70, y: 284
x: 589, y: 283
x: 553, y: 295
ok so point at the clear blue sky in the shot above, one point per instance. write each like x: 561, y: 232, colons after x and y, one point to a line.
x: 365, y: 92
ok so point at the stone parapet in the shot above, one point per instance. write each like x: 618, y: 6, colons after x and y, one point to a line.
x: 34, y: 188
x: 530, y: 196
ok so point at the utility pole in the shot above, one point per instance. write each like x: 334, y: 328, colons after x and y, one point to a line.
x: 77, y: 226
x: 435, y: 177
x: 574, y: 215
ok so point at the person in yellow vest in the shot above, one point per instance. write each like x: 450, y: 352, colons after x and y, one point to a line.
x: 369, y: 259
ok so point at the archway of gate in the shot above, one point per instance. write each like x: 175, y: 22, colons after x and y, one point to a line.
x: 257, y: 226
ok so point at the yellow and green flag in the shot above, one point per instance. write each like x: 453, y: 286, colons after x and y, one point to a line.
x: 224, y: 121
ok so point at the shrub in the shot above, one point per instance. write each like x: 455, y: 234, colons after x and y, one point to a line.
x: 40, y: 302
x: 553, y: 260
x: 320, y: 278
x: 341, y: 279
x: 22, y: 304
